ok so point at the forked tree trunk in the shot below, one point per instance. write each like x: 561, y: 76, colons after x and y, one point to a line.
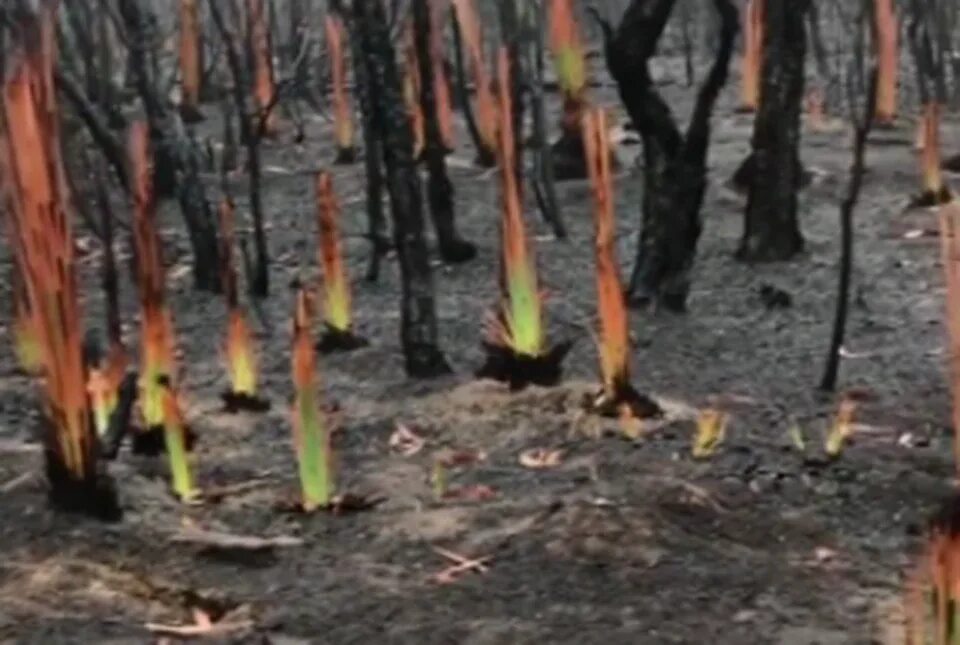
x: 771, y: 228
x: 418, y: 331
x: 176, y: 157
x: 674, y: 164
x: 452, y: 247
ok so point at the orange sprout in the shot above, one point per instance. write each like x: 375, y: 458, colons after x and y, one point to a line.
x: 752, y: 55
x: 343, y: 123
x: 932, y: 177
x: 441, y: 89
x: 886, y: 33
x: 614, y: 330
x: 264, y: 87
x: 411, y: 89
x: 41, y: 238
x: 336, y: 285
x: 486, y: 106
x: 950, y: 256
x: 191, y: 66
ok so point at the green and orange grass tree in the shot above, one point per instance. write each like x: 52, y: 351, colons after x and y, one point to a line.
x: 338, y: 332
x: 176, y: 440
x: 157, y: 364
x: 567, y: 47
x: 932, y: 594
x: 435, y: 107
x: 516, y: 335
x: 752, y: 55
x: 342, y: 116
x: 311, y: 435
x: 675, y: 163
x: 191, y: 60
x: 618, y: 397
x: 482, y: 118
x: 239, y: 351
x: 36, y: 199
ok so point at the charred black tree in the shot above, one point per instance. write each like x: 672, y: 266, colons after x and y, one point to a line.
x: 771, y: 227
x: 452, y: 247
x: 675, y: 165
x: 253, y: 124
x: 863, y: 125
x: 418, y: 333
x: 368, y: 97
x: 176, y: 156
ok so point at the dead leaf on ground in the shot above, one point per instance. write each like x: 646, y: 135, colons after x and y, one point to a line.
x: 473, y: 493
x: 539, y: 458
x: 455, y: 458
x: 202, y: 626
x: 222, y: 540
x: 461, y: 566
x: 405, y: 441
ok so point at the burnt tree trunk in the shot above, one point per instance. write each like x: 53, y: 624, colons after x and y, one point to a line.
x: 368, y: 97
x: 675, y: 164
x: 771, y: 227
x: 175, y: 155
x: 452, y: 247
x: 418, y: 333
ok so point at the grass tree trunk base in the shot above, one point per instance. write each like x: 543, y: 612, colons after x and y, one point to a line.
x: 234, y: 402
x: 336, y: 340
x: 624, y: 399
x: 95, y: 498
x: 426, y: 361
x: 930, y: 198
x: 191, y: 114
x: 569, y: 157
x: 151, y: 442
x: 951, y: 164
x: 742, y: 177
x: 520, y: 370
x: 457, y: 251
x: 345, y: 156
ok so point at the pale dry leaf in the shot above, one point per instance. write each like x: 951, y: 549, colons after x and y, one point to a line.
x: 472, y: 493
x: 540, y: 458
x: 405, y: 441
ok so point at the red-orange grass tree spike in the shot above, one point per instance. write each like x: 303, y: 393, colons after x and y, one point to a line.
x: 752, y: 55
x: 239, y: 350
x: 934, y: 191
x: 35, y: 195
x: 486, y: 102
x: 517, y: 351
x: 570, y: 60
x: 191, y: 60
x: 338, y: 332
x: 156, y: 327
x: 441, y: 84
x: 885, y: 30
x: 264, y: 83
x: 950, y: 257
x: 411, y: 89
x: 618, y: 398
x: 342, y: 116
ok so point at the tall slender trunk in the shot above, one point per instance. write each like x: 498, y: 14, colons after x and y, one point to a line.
x: 418, y: 333
x: 440, y: 191
x: 771, y: 227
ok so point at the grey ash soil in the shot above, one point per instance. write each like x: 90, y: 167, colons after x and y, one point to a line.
x: 625, y: 541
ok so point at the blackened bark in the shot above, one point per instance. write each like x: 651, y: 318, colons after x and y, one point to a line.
x: 368, y: 97
x: 175, y: 156
x: 675, y: 165
x: 771, y: 227
x: 863, y: 126
x: 452, y: 247
x: 418, y: 308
